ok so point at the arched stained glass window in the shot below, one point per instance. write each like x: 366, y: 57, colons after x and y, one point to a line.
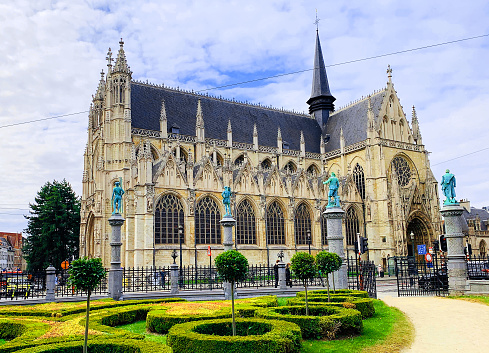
x: 275, y: 224
x: 402, y: 169
x: 238, y: 162
x: 352, y: 226
x: 290, y: 167
x: 302, y: 224
x: 246, y: 223
x: 359, y: 180
x: 168, y: 216
x: 207, y: 226
x: 266, y: 164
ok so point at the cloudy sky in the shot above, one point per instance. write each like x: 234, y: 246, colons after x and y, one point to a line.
x: 52, y: 52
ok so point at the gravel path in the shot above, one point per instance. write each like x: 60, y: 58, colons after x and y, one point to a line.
x: 445, y: 325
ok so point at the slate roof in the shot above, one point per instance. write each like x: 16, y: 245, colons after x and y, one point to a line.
x: 354, y: 121
x: 474, y: 212
x: 181, y: 109
x: 320, y: 85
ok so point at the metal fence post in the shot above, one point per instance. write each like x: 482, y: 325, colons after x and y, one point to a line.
x: 281, y: 275
x: 174, y: 278
x: 50, y: 283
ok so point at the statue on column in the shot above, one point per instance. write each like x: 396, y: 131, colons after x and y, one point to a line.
x: 226, y: 200
x: 334, y: 184
x: 117, y: 193
x: 448, y: 184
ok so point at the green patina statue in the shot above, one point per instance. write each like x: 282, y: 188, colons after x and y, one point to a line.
x: 226, y: 200
x: 334, y: 184
x: 117, y: 193
x: 448, y: 187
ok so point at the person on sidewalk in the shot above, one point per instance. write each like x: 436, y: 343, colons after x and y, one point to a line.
x: 275, y: 273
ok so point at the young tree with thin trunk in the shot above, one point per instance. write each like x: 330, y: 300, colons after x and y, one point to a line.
x: 232, y: 266
x: 304, y: 267
x: 85, y: 275
x: 327, y: 263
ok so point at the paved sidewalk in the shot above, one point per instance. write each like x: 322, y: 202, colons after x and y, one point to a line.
x: 445, y: 325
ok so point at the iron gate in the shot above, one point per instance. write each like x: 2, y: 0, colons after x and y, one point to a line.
x: 416, y: 277
x: 361, y: 276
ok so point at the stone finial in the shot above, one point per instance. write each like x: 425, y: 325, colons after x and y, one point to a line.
x: 389, y: 74
x: 302, y: 137
x: 370, y: 114
x: 200, y: 116
x: 109, y: 59
x: 229, y: 126
x: 163, y: 110
x: 255, y: 130
x: 279, y: 134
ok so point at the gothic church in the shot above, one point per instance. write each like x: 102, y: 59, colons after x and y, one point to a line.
x: 175, y: 151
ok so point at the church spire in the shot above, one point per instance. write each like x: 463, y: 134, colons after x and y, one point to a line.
x: 121, y: 62
x: 415, y: 124
x: 321, y: 101
x: 101, y: 87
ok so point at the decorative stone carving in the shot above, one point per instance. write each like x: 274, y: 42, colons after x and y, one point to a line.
x: 150, y: 193
x: 191, y: 201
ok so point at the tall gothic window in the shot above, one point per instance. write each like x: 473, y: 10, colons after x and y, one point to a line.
x: 482, y: 248
x: 324, y: 229
x: 352, y: 226
x: 302, y: 224
x: 402, y: 169
x: 290, y: 167
x: 266, y: 164
x: 238, y: 162
x: 246, y: 223
x: 359, y: 180
x: 207, y: 226
x: 168, y: 216
x: 312, y: 171
x: 275, y: 224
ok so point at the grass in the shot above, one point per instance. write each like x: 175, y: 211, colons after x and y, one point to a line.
x: 2, y: 341
x: 140, y: 327
x: 483, y: 299
x: 388, y: 331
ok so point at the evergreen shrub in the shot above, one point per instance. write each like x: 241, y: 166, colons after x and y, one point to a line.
x: 364, y: 305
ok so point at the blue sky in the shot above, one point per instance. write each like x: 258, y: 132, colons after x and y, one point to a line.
x: 51, y: 54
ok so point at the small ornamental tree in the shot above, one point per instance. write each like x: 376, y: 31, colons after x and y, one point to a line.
x: 85, y: 275
x: 305, y: 269
x: 232, y: 266
x: 327, y: 263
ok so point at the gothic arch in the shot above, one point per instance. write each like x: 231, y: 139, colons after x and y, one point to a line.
x: 359, y: 180
x: 302, y: 223
x: 239, y: 160
x: 169, y: 214
x: 420, y: 227
x: 275, y: 217
x: 352, y: 224
x: 335, y: 168
x: 400, y: 161
x: 266, y: 164
x: 155, y: 154
x: 482, y: 248
x: 90, y: 236
x: 207, y: 220
x: 290, y: 166
x: 313, y: 170
x: 246, y: 222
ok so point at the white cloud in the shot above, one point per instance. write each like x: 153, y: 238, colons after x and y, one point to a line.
x: 52, y: 53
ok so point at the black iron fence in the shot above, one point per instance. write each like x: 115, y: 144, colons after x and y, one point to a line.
x: 259, y: 276
x: 478, y: 267
x: 415, y: 276
x: 18, y: 284
x: 361, y: 276
x: 199, y: 278
x: 146, y: 279
x: 63, y: 288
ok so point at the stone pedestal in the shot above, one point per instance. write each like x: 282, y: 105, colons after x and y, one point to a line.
x: 281, y: 275
x: 228, y: 222
x: 115, y: 273
x: 334, y: 215
x: 456, y: 265
x: 50, y: 283
x: 174, y: 278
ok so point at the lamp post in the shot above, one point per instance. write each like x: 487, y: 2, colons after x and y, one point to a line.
x: 412, y: 242
x: 309, y: 240
x: 180, y: 235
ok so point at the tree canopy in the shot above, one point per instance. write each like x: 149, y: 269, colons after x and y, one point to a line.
x: 53, y: 226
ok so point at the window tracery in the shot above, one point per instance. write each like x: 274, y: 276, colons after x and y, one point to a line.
x: 168, y: 216
x: 275, y: 224
x: 359, y: 178
x: 352, y: 226
x: 246, y: 223
x: 402, y: 169
x: 207, y: 226
x: 302, y: 224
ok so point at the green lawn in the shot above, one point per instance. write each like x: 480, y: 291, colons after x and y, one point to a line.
x: 2, y: 341
x: 388, y: 331
x: 483, y: 299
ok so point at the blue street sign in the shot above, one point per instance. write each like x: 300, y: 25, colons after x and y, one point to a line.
x: 422, y: 249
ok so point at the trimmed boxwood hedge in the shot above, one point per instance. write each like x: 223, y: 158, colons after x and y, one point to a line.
x: 338, y: 292
x: 321, y: 320
x: 101, y: 346
x: 265, y: 301
x: 364, y: 305
x: 160, y: 322
x: 20, y: 332
x: 282, y: 337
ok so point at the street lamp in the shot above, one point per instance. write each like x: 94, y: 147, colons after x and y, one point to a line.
x: 180, y: 236
x: 309, y: 240
x: 412, y: 242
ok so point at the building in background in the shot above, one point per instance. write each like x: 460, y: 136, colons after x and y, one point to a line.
x: 15, y: 241
x: 175, y: 151
x: 477, y: 231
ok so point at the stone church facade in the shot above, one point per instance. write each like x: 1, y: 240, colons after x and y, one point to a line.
x: 175, y: 151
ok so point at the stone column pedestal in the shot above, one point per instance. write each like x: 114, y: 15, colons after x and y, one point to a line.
x: 174, y: 277
x: 456, y: 264
x: 50, y: 283
x: 281, y: 275
x: 228, y: 222
x: 115, y: 273
x: 334, y: 215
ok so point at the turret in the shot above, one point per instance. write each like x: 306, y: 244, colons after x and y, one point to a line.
x: 415, y: 124
x: 163, y: 121
x: 321, y: 101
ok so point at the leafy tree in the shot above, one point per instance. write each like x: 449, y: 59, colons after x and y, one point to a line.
x: 327, y: 263
x: 85, y: 275
x: 304, y: 267
x: 53, y: 226
x: 232, y: 266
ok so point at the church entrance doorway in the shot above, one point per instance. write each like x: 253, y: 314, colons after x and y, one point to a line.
x: 418, y: 233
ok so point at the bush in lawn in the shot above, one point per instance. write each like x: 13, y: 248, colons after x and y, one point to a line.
x: 232, y: 266
x: 85, y: 275
x: 364, y: 305
x: 327, y: 263
x: 304, y: 267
